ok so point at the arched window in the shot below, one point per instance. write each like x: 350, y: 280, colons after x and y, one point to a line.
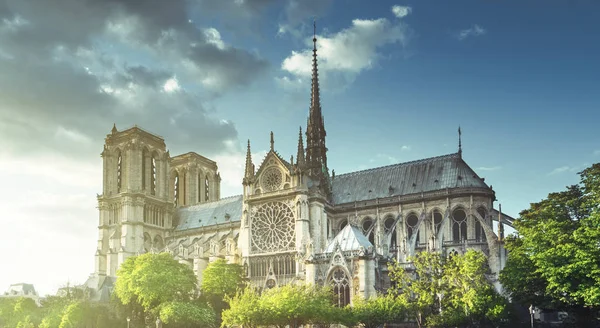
x: 199, y: 188
x: 343, y: 224
x: 206, y: 189
x: 176, y: 189
x: 389, y: 225
x: 341, y: 286
x: 183, y: 182
x: 119, y: 171
x: 153, y: 175
x: 411, y: 226
x: 144, y: 173
x: 368, y: 229
x: 479, y: 232
x: 437, y: 221
x: 459, y: 225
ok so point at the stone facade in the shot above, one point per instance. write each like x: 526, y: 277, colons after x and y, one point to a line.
x: 294, y: 222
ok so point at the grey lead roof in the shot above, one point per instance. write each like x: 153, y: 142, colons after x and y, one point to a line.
x: 207, y: 214
x: 350, y: 239
x: 429, y: 174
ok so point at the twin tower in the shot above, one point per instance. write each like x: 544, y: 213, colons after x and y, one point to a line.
x: 142, y: 186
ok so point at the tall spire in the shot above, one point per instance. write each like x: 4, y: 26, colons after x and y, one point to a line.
x: 459, y: 142
x: 316, y: 151
x: 272, y: 142
x: 300, y: 154
x: 249, y: 173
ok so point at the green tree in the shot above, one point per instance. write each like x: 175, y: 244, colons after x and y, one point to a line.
x: 154, y: 279
x: 454, y: 291
x: 187, y: 314
x: 375, y: 311
x: 558, y: 239
x: 244, y: 309
x: 221, y: 280
x: 422, y: 289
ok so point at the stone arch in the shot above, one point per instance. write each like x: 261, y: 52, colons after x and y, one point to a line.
x: 154, y: 172
x: 158, y: 243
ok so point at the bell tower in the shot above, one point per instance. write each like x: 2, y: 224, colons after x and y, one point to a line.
x: 135, y: 209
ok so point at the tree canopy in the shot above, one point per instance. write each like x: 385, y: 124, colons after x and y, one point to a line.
x: 442, y: 291
x: 154, y: 279
x: 557, y: 244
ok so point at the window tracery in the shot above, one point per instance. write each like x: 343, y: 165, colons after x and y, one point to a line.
x: 368, y: 229
x: 153, y: 175
x: 206, y: 189
x: 273, y: 228
x: 271, y: 179
x: 340, y: 282
x: 437, y: 221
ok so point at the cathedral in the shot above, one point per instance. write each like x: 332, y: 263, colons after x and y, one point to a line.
x: 294, y: 221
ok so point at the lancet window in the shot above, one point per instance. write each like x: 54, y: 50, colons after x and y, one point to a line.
x: 340, y: 283
x: 144, y: 173
x: 281, y: 265
x: 459, y: 225
x: 153, y: 175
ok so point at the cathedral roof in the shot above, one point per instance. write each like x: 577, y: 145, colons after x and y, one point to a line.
x: 425, y: 175
x: 221, y: 211
x: 349, y: 239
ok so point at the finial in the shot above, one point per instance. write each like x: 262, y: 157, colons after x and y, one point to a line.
x: 272, y: 142
x: 114, y: 129
x: 459, y: 142
x: 315, y: 32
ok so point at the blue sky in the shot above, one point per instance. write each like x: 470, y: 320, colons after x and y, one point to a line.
x: 397, y: 77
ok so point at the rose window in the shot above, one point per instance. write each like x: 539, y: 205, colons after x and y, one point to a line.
x: 273, y: 228
x: 271, y: 179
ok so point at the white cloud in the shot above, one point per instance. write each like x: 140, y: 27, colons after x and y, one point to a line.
x: 405, y: 147
x: 214, y: 37
x: 488, y: 168
x: 171, y: 85
x: 344, y: 54
x: 473, y: 31
x: 401, y: 11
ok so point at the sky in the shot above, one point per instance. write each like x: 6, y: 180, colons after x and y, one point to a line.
x: 397, y: 80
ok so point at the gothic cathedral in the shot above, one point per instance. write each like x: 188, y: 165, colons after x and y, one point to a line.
x: 294, y: 222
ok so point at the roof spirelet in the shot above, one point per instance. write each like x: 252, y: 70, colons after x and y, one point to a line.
x: 249, y: 172
x: 300, y: 154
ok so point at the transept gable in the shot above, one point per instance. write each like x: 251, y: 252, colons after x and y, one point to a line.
x: 273, y: 174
